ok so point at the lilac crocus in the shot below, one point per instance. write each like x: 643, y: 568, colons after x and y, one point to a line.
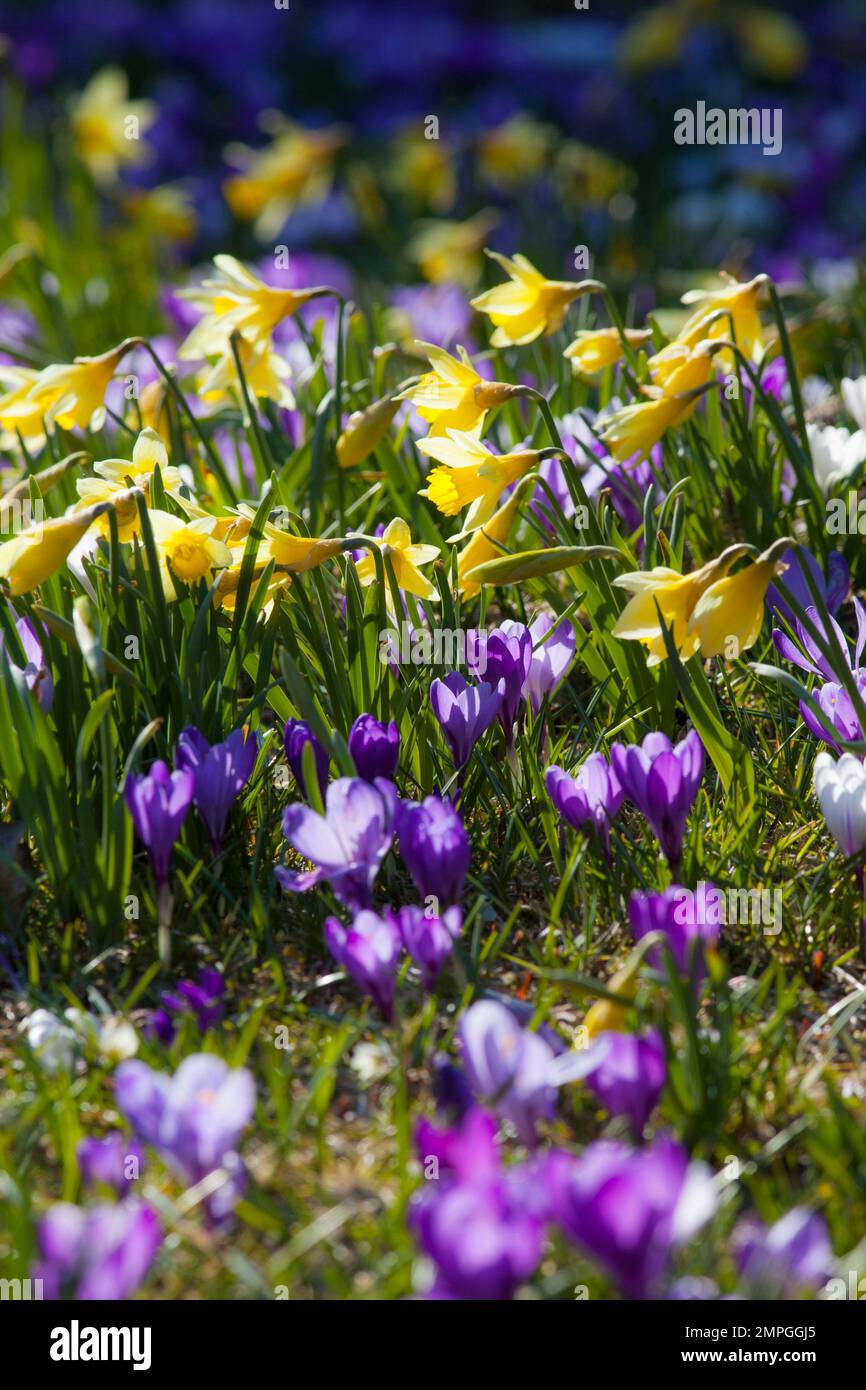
x: 591, y: 798
x: 630, y: 1208
x: 370, y: 950
x: 34, y: 674
x: 296, y: 735
x: 662, y: 780
x: 194, y: 1119
x: 347, y: 844
x: 503, y: 659
x: 831, y: 696
x: 785, y: 1259
x: 98, y: 1252
x: 221, y: 772
x: 158, y: 802
x: 435, y: 848
x: 833, y: 587
x: 551, y: 658
x: 428, y: 938
x: 375, y: 747
x: 464, y: 711
x: 690, y: 921
x: 630, y: 1076
x: 114, y: 1161
x: 203, y: 1000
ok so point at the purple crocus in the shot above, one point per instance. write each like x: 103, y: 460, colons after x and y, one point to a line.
x: 551, y: 658
x: 503, y: 659
x: 202, y: 1000
x: 785, y: 1259
x: 370, y: 950
x: 435, y: 848
x: 296, y: 735
x: 347, y: 844
x: 221, y: 772
x: 464, y: 711
x: 34, y: 674
x: 630, y: 1208
x: 662, y: 780
x: 194, y: 1119
x: 831, y: 697
x: 476, y: 1221
x: 375, y: 747
x: 98, y: 1252
x: 630, y: 1076
x: 115, y: 1161
x: 158, y: 802
x: 833, y: 588
x: 691, y: 921
x: 428, y: 938
x: 591, y: 798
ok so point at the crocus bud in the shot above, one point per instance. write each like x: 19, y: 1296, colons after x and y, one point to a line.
x: 375, y: 747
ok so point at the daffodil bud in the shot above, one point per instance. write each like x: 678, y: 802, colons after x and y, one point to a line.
x: 364, y: 430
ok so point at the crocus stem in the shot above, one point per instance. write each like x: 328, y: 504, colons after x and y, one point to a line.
x: 165, y: 907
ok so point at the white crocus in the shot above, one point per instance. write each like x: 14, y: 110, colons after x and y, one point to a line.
x: 854, y: 396
x: 52, y: 1042
x: 836, y: 453
x: 841, y: 791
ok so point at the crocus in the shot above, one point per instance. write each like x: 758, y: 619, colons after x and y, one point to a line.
x: 550, y: 660
x: 98, y: 1252
x: 347, y: 844
x: 662, y: 780
x: 221, y: 772
x: 296, y: 735
x: 370, y: 950
x: 34, y: 674
x: 194, y: 1119
x: 832, y: 697
x: 464, y: 711
x: 833, y: 588
x: 841, y: 791
x: 785, y: 1259
x: 630, y: 1076
x: 114, y: 1161
x: 202, y: 1000
x: 630, y: 1208
x: 428, y: 938
x: 158, y: 802
x: 435, y: 848
x: 503, y: 658
x: 836, y: 453
x: 592, y: 797
x: 689, y: 921
x: 375, y: 747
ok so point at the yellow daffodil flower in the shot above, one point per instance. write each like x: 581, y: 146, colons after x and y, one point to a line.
x: 188, y: 550
x: 423, y: 170
x: 70, y: 393
x: 486, y: 544
x: 451, y: 251
x: 453, y: 395
x: 736, y: 303
x: 148, y: 453
x: 406, y: 558
x: 17, y: 414
x: 108, y: 126
x: 227, y: 585
x: 265, y: 373
x: 728, y: 616
x: 597, y: 348
x: 636, y: 428
x: 364, y: 430
x: 237, y: 301
x: 296, y: 168
x: 121, y: 500
x: 152, y: 404
x: 471, y: 475
x: 514, y: 151
x: 27, y: 560
x: 167, y: 210
x: 527, y: 304
x: 605, y: 1016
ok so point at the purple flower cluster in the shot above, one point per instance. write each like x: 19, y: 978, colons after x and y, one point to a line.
x: 591, y: 798
x: 370, y: 949
x: 203, y: 1001
x: 831, y: 697
x: 662, y: 780
x: 98, y: 1252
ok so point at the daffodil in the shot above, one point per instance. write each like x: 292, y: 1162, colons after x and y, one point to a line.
x: 265, y: 373
x: 187, y: 550
x: 471, y: 475
x: 123, y: 501
x: 17, y: 414
x: 674, y: 595
x: 237, y: 301
x: 71, y: 393
x: 364, y: 430
x: 636, y: 428
x: 153, y: 408
x: 290, y: 552
x: 485, y: 544
x: 30, y: 558
x: 226, y: 594
x: 108, y: 126
x: 148, y: 453
x: 406, y: 559
x: 514, y: 151
x: 527, y: 304
x: 296, y: 168
x: 728, y: 616
x: 424, y: 170
x: 451, y: 251
x: 723, y: 313
x: 597, y: 348
x: 453, y: 395
x: 167, y: 210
